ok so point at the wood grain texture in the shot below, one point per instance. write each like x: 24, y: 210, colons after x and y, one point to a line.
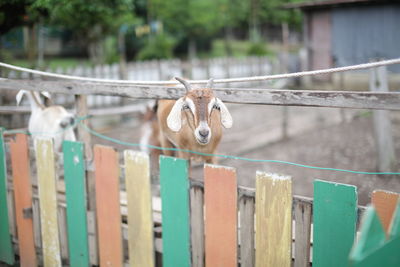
x: 339, y: 99
x: 175, y: 212
x: 6, y: 249
x: 385, y: 203
x: 23, y: 199
x: 75, y: 194
x: 247, y: 252
x: 140, y: 213
x: 273, y: 220
x: 107, y: 206
x: 220, y: 198
x: 197, y: 225
x: 48, y: 202
x: 302, y: 213
x: 335, y: 218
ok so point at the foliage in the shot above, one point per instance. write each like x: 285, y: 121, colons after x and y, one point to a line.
x: 159, y: 47
x: 257, y: 49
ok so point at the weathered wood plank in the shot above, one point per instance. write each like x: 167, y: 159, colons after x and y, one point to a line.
x: 302, y: 213
x: 23, y: 199
x: 140, y: 219
x: 197, y: 225
x: 48, y: 202
x: 247, y: 252
x: 6, y: 249
x: 385, y: 203
x: 378, y: 82
x: 339, y: 99
x: 220, y: 198
x: 273, y: 220
x: 335, y: 218
x: 175, y: 212
x: 75, y: 194
x: 107, y: 206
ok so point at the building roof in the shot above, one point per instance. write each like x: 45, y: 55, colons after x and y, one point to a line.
x: 333, y: 3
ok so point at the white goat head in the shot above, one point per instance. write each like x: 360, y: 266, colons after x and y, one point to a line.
x: 52, y: 121
x: 200, y: 106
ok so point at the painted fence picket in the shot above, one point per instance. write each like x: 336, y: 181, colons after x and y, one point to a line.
x: 6, y: 249
x: 175, y: 212
x: 140, y: 216
x: 335, y: 218
x: 373, y: 248
x: 220, y: 198
x: 108, y: 206
x: 75, y: 194
x: 23, y: 199
x: 385, y: 204
x: 48, y: 202
x: 273, y: 220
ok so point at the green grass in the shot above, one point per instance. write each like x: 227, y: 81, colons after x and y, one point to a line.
x: 239, y: 48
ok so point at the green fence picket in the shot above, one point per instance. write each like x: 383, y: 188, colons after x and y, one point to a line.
x: 373, y: 248
x: 335, y: 218
x: 75, y: 194
x: 6, y: 249
x: 175, y: 211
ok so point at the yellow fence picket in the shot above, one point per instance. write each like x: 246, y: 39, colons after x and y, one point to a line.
x: 140, y: 218
x: 273, y: 220
x: 48, y: 202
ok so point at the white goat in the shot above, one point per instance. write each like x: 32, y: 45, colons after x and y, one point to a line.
x: 193, y: 122
x: 52, y: 121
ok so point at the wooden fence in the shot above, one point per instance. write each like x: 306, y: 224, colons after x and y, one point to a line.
x: 46, y: 220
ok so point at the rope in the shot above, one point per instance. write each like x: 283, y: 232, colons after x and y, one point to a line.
x: 120, y: 142
x: 116, y: 141
x: 243, y: 79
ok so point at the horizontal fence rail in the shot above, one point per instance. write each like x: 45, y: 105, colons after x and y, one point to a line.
x: 214, y: 223
x: 337, y: 99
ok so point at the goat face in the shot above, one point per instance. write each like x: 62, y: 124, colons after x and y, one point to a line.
x: 199, y: 107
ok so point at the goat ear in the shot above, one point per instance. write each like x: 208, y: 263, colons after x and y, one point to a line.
x: 19, y: 96
x: 174, y: 119
x: 226, y: 118
x: 46, y: 94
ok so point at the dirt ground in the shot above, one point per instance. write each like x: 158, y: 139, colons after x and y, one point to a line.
x: 323, y: 137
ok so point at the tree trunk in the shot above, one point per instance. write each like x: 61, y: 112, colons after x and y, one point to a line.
x: 192, y: 49
x: 31, y: 45
x: 227, y: 40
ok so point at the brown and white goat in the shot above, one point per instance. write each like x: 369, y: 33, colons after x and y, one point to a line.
x: 193, y: 122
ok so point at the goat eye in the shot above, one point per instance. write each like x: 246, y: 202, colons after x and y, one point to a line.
x: 185, y: 106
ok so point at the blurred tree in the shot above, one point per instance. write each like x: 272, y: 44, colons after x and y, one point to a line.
x: 190, y: 19
x: 91, y: 20
x: 15, y: 13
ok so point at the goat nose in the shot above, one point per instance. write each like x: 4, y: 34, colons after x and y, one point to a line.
x: 204, y: 132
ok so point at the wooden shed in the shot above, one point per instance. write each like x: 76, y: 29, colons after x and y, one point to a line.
x: 346, y: 32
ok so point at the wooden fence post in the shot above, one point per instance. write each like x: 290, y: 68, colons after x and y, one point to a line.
x: 75, y: 194
x: 197, y: 225
x: 48, y: 202
x: 220, y: 197
x: 108, y: 206
x: 140, y: 217
x: 23, y: 199
x: 175, y: 212
x: 273, y: 220
x: 335, y: 219
x: 247, y: 252
x: 6, y: 249
x: 382, y: 124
